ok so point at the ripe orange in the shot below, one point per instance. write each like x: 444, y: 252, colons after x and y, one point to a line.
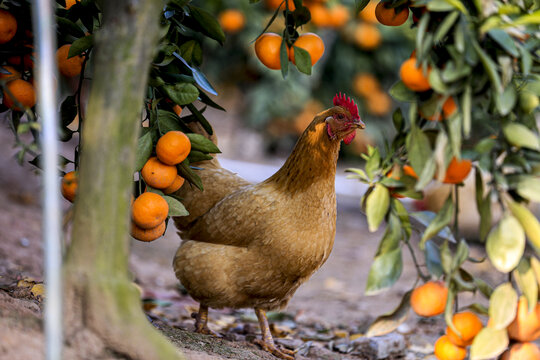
x: 413, y: 77
x: 177, y: 184
x: 445, y: 350
x: 526, y: 326
x: 379, y: 103
x: 365, y: 84
x: 310, y: 42
x: 522, y: 351
x: 149, y: 210
x: 147, y: 234
x: 70, y: 3
x: 338, y: 15
x: 457, y: 171
x: 69, y: 186
x: 408, y: 170
x: 232, y: 20
x: 368, y: 13
x: 429, y: 299
x: 468, y: 324
x: 177, y: 109
x: 8, y: 26
x: 267, y: 49
x: 22, y: 91
x: 320, y: 15
x: 448, y: 109
x: 273, y: 5
x: 367, y: 36
x: 157, y: 174
x: 390, y: 16
x: 9, y: 73
x: 173, y: 147
x: 68, y: 67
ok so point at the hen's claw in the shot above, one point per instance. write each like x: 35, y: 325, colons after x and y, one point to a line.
x: 274, y: 350
x: 201, y: 322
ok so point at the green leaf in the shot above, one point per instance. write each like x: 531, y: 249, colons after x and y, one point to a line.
x: 526, y: 280
x: 466, y: 107
x: 185, y: 171
x: 144, y: 150
x: 302, y: 59
x: 462, y: 253
x: 402, y: 93
x: 528, y: 221
x: 441, y: 220
x: 360, y: 174
x: 68, y: 110
x: 489, y: 343
x: 454, y: 131
x: 521, y: 136
x: 176, y: 208
x: 490, y: 67
x: 359, y: 5
x: 535, y: 265
x: 209, y: 25
x: 202, y: 144
x: 436, y: 81
x: 169, y: 121
x: 445, y: 26
x: 81, y: 45
x: 505, y: 41
x: 433, y: 259
x: 284, y: 59
x: 191, y: 51
x: 419, y: 149
x: 506, y: 100
x: 502, y: 306
x: 528, y: 187
x: 384, y: 271
x: 181, y: 93
x: 197, y: 156
x: 505, y: 244
x: 398, y: 120
x: 403, y: 215
x: 200, y: 118
x: 389, y: 322
x: 66, y: 26
x: 424, y: 218
x: 377, y: 205
x: 373, y: 162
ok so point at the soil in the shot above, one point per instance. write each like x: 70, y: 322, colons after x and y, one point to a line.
x: 323, y: 317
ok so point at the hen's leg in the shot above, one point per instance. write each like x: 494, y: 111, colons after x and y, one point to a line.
x: 267, y: 341
x: 201, y: 321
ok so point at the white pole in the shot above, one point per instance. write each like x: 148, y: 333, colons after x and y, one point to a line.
x: 45, y: 31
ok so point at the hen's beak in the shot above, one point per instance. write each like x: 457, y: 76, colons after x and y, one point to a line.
x: 359, y: 124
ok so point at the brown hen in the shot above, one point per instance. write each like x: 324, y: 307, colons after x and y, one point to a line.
x: 252, y: 245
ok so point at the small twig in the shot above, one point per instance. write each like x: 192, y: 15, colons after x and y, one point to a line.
x: 415, y: 261
x: 456, y: 212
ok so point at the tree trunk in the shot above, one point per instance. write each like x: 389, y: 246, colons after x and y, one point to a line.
x: 103, y: 314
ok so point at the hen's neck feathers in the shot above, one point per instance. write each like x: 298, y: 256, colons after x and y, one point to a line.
x: 312, y: 161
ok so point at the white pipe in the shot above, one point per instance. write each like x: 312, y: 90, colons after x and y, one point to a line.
x: 45, y: 38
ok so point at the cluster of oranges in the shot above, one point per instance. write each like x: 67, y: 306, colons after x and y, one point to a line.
x: 377, y: 101
x: 150, y: 210
x: 430, y: 300
x: 267, y: 48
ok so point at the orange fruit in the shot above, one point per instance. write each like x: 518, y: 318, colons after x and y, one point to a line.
x: 173, y: 147
x: 429, y: 299
x: 367, y: 36
x: 468, y: 324
x: 457, y: 171
x: 408, y: 170
x: 310, y: 42
x: 177, y: 184
x: 365, y: 84
x: 22, y: 91
x: 267, y: 49
x: 9, y: 73
x: 320, y: 15
x: 526, y: 325
x: 391, y: 16
x: 157, y: 174
x: 445, y: 350
x: 147, y: 234
x: 368, y: 13
x: 69, y: 186
x: 273, y: 4
x: 149, y: 210
x: 378, y: 103
x: 338, y: 15
x: 522, y: 351
x: 68, y: 67
x: 8, y: 26
x: 70, y: 3
x: 232, y: 20
x: 448, y: 109
x: 413, y: 77
x: 177, y: 109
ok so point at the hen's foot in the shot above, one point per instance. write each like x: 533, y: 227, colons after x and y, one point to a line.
x: 201, y: 322
x: 274, y: 350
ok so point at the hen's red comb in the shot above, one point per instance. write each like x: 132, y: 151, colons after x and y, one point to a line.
x: 347, y: 103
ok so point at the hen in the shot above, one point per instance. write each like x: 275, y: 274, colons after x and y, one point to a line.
x: 252, y: 245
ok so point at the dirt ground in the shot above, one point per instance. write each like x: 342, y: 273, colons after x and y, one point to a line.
x: 322, y: 321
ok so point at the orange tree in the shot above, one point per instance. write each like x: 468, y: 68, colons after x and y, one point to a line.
x: 472, y: 89
x: 126, y: 70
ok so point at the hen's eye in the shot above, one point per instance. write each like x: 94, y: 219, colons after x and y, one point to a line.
x: 340, y: 116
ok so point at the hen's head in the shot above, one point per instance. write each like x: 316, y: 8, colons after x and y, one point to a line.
x: 343, y: 120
